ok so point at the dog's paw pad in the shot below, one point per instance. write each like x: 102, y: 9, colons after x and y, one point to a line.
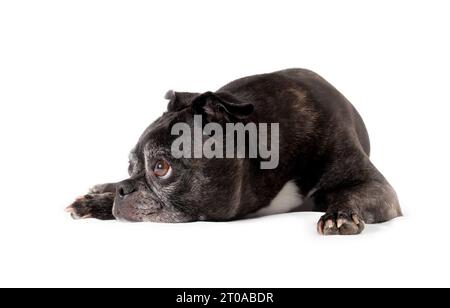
x: 340, y: 223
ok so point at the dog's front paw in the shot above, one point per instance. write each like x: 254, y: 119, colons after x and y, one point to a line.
x: 340, y: 223
x: 97, y: 206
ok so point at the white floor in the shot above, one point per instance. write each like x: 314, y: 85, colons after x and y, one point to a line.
x: 50, y: 249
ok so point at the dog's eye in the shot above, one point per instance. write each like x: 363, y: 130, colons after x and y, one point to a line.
x: 162, y: 169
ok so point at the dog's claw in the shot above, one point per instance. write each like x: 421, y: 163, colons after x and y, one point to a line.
x: 329, y: 224
x: 356, y: 219
x: 75, y: 216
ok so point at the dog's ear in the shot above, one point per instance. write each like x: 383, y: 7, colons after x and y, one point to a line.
x: 179, y: 100
x: 221, y: 107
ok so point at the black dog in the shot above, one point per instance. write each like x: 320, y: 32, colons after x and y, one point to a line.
x: 323, y: 157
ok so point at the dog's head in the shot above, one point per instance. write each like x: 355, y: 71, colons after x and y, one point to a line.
x: 163, y: 188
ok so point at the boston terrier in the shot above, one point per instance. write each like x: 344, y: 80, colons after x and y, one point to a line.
x: 319, y: 160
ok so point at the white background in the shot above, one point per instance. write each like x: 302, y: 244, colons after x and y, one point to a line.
x: 80, y: 80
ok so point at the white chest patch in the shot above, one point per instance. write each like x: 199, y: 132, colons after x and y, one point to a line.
x: 287, y: 199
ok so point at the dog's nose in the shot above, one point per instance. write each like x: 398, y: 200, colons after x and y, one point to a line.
x: 125, y: 188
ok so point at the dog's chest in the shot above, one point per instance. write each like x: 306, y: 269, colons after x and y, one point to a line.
x: 288, y: 199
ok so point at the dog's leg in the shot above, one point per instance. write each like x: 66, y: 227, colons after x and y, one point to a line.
x: 97, y: 204
x: 349, y: 207
x: 103, y: 188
